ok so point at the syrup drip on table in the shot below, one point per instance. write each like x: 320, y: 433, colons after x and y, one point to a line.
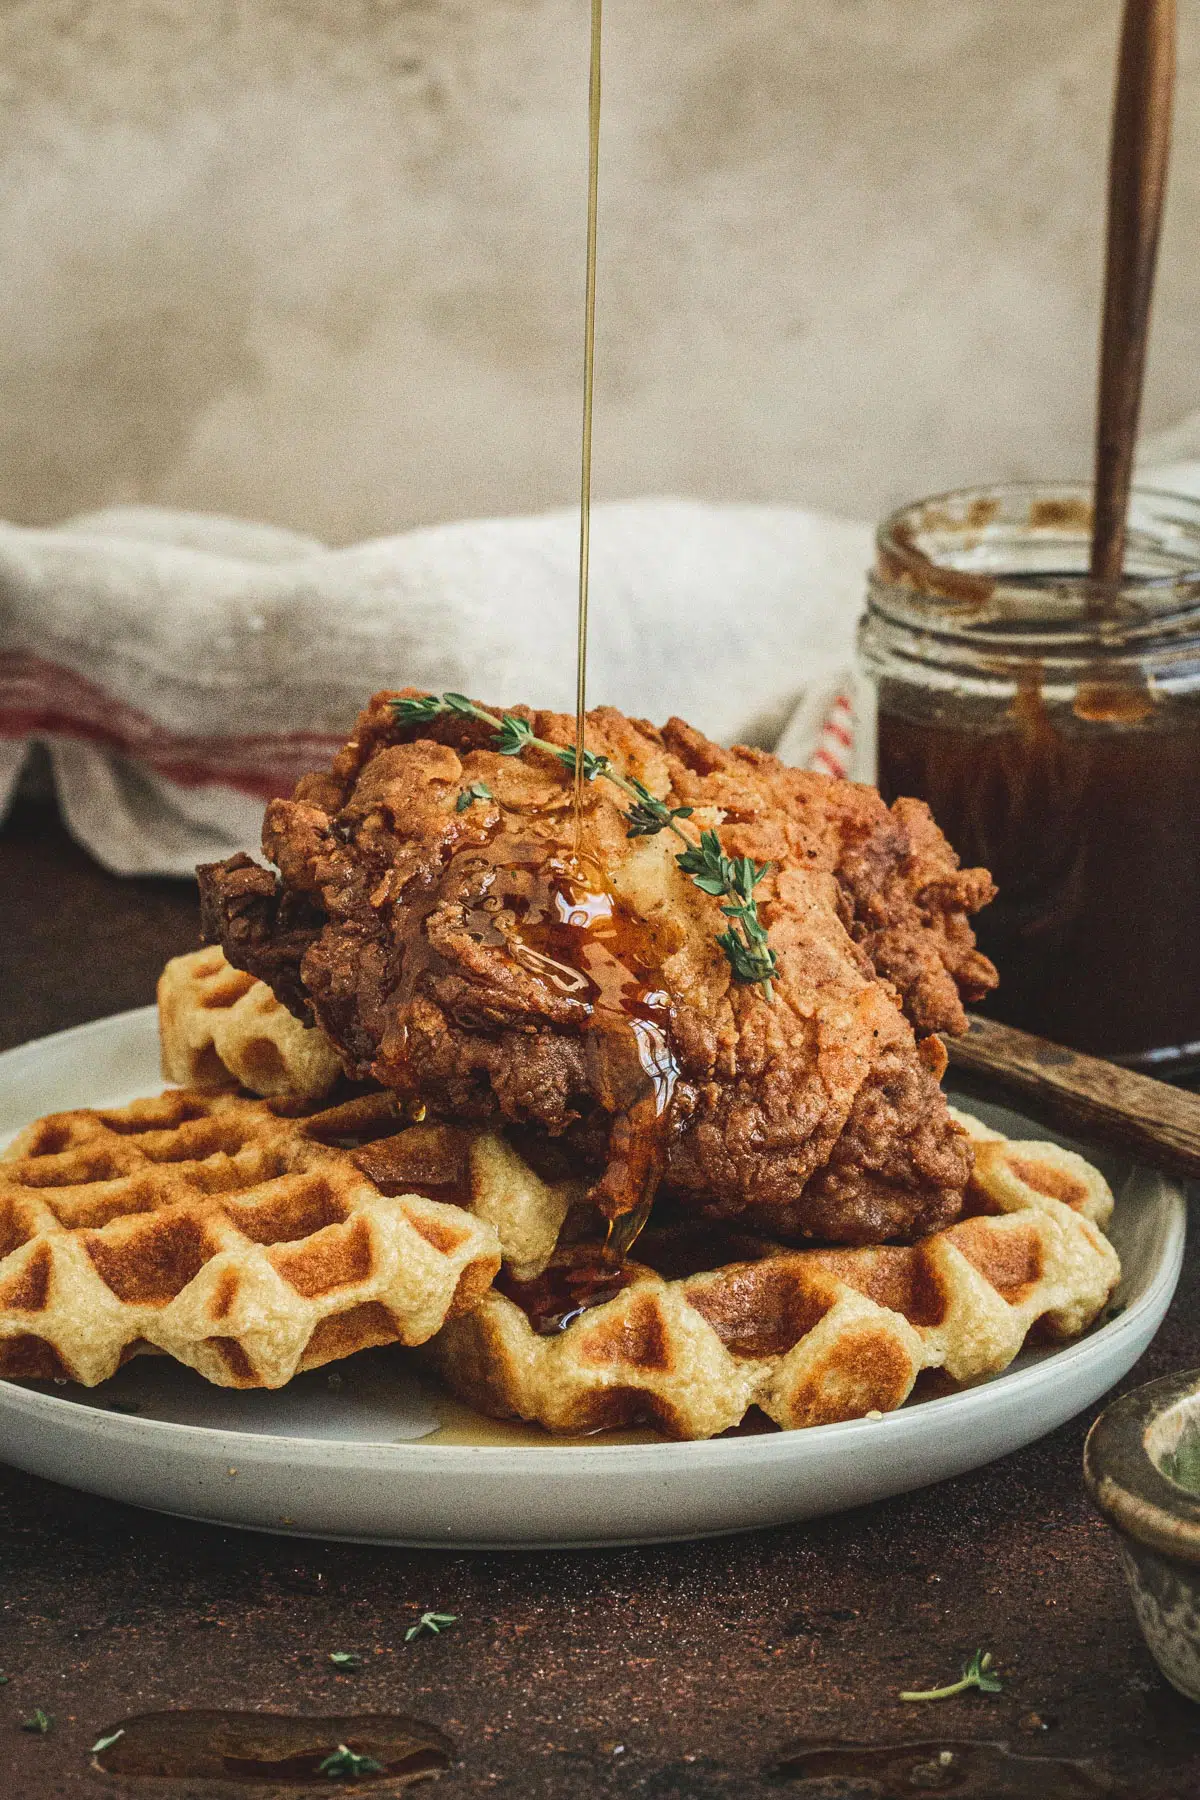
x: 270, y: 1751
x: 951, y: 1766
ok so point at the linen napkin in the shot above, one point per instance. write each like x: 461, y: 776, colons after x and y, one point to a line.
x: 181, y: 669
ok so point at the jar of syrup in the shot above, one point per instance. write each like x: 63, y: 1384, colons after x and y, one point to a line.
x: 1054, y: 729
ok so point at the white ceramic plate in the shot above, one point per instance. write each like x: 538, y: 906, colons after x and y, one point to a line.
x: 371, y: 1455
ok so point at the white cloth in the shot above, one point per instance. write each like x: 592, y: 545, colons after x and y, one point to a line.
x: 181, y: 668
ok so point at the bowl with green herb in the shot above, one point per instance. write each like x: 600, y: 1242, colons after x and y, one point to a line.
x: 1142, y: 1468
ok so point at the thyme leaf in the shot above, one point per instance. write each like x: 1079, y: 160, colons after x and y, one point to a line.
x: 345, y: 1659
x: 478, y: 790
x: 513, y: 735
x: 977, y: 1673
x: 346, y: 1764
x: 418, y: 710
x: 430, y: 1623
x: 40, y: 1722
x: 649, y: 815
x: 593, y: 764
x: 750, y: 957
x: 106, y: 1743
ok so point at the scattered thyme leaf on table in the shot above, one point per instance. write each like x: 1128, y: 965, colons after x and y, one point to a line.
x: 106, y: 1743
x: 431, y: 1623
x: 41, y: 1722
x: 734, y: 878
x: 978, y: 1673
x: 345, y: 1659
x: 344, y: 1764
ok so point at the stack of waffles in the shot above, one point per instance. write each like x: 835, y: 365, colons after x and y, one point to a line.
x: 255, y: 1234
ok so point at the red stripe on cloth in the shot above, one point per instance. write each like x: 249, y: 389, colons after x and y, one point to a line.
x: 42, y: 699
x: 829, y: 763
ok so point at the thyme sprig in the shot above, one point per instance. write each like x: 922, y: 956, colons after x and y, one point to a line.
x: 731, y: 878
x: 977, y: 1673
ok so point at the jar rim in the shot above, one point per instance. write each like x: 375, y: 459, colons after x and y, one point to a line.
x: 1015, y: 555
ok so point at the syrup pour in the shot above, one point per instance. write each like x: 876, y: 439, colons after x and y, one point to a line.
x: 566, y: 926
x: 589, y: 364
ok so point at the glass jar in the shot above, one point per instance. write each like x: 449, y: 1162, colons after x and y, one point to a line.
x: 1054, y: 729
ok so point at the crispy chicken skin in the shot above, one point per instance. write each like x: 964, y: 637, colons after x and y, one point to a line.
x: 396, y: 922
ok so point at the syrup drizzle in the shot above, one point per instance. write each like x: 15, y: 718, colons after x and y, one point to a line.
x: 580, y: 938
x: 589, y: 364
x: 559, y: 918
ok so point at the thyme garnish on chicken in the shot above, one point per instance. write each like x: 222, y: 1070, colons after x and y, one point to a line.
x: 478, y: 790
x: 731, y: 878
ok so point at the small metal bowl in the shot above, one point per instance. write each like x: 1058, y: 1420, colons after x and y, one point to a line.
x: 1141, y: 1463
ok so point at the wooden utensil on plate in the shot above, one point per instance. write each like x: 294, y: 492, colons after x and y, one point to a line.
x: 1137, y: 179
x: 1085, y: 1095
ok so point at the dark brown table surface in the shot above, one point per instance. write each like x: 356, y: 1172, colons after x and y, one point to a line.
x: 687, y: 1671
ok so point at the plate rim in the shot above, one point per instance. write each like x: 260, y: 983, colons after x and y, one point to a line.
x: 903, y: 1422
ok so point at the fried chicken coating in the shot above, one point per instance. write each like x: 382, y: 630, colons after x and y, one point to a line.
x: 456, y: 949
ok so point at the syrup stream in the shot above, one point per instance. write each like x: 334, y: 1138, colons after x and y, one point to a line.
x: 589, y: 363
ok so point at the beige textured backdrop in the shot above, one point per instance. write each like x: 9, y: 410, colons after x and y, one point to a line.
x: 318, y: 261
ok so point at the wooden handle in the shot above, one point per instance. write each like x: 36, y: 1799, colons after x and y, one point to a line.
x: 1137, y: 179
x: 1086, y: 1096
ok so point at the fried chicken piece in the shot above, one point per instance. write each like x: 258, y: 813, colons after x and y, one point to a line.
x: 453, y: 950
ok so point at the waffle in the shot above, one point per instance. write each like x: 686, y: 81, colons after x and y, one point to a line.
x: 215, y: 1021
x: 209, y: 1227
x: 710, y: 1325
x: 473, y: 1169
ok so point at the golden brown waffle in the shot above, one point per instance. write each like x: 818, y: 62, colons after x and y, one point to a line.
x: 216, y: 1022
x: 208, y: 1227
x: 808, y: 1336
x: 468, y: 1167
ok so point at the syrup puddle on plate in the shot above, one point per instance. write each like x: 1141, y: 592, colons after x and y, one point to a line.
x: 270, y: 1753
x: 461, y: 1424
x: 376, y: 1397
x: 974, y: 1770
